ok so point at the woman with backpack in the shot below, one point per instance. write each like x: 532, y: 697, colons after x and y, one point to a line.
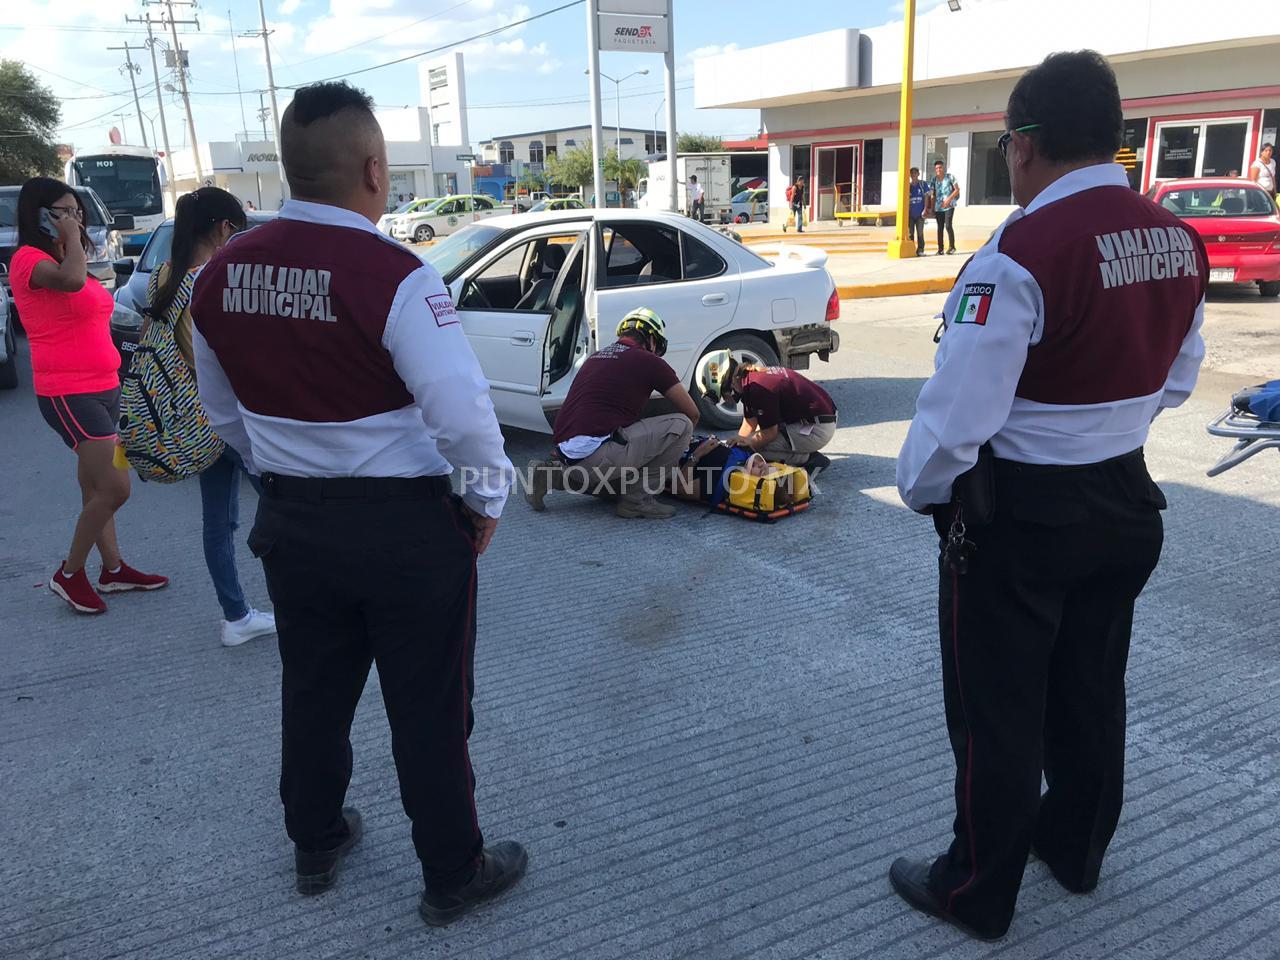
x: 75, y: 369
x: 204, y: 220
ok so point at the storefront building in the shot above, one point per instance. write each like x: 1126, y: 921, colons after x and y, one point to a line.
x: 1198, y: 89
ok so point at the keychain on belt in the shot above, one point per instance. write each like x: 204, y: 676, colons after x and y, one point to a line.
x: 958, y: 548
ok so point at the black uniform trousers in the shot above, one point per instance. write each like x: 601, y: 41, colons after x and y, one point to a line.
x: 387, y: 578
x: 1035, y: 641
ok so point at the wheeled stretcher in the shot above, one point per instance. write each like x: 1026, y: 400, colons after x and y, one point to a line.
x: 1251, y: 433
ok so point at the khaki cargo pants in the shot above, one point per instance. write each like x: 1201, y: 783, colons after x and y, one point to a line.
x: 637, y: 469
x: 793, y: 447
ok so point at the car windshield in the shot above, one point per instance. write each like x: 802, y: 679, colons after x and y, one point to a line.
x: 406, y: 206
x: 540, y: 206
x: 743, y: 197
x: 1198, y: 202
x: 94, y: 214
x: 161, y: 245
x: 125, y: 184
x: 453, y: 253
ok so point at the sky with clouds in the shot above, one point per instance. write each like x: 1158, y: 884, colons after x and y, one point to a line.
x: 518, y: 79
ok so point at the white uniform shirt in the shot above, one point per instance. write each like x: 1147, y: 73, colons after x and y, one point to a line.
x: 449, y: 423
x: 994, y: 315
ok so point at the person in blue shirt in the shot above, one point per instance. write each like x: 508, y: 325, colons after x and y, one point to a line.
x: 919, y: 191
x: 946, y: 191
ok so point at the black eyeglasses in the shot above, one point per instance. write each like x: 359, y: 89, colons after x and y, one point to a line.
x: 1007, y: 137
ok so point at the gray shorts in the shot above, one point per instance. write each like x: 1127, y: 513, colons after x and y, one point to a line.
x: 78, y: 417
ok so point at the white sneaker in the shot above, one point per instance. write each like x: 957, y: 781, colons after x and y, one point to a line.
x: 254, y: 624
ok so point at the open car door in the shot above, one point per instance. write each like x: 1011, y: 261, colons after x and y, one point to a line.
x: 568, y: 340
x: 507, y: 305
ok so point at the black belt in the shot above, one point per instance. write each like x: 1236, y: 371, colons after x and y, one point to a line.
x: 319, y: 489
x: 825, y: 418
x: 1007, y: 467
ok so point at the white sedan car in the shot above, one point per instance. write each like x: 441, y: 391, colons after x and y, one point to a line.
x: 538, y: 293
x: 445, y: 216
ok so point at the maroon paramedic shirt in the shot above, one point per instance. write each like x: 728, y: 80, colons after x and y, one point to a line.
x: 778, y: 395
x: 611, y: 389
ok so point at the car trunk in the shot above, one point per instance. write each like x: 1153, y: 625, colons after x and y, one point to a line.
x: 1236, y: 236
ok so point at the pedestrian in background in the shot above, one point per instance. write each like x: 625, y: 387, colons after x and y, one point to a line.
x: 332, y: 359
x: 1263, y: 170
x: 1026, y: 447
x: 204, y: 220
x: 697, y: 204
x: 919, y: 195
x: 76, y: 372
x: 946, y: 191
x: 799, y: 202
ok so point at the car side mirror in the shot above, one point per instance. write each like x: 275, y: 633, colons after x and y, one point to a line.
x: 122, y: 221
x: 123, y: 268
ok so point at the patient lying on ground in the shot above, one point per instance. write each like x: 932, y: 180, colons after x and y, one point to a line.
x: 699, y: 475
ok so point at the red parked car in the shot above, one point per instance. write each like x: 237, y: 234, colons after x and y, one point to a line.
x: 1238, y: 222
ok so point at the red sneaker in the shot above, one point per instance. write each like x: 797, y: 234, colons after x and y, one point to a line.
x: 77, y: 591
x: 127, y: 578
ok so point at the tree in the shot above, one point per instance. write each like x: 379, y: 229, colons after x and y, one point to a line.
x: 29, y: 114
x: 628, y: 173
x: 698, y: 143
x: 531, y: 182
x: 571, y: 169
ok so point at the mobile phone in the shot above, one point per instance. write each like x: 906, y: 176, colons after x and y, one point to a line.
x: 48, y: 224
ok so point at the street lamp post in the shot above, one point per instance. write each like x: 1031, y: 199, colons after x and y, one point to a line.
x: 617, y: 89
x: 902, y: 247
x: 655, y: 123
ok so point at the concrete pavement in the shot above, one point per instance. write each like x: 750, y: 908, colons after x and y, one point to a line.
x: 714, y: 737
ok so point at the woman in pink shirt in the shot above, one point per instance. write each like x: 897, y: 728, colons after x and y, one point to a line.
x: 74, y: 366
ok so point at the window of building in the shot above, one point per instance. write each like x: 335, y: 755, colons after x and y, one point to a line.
x: 571, y: 142
x: 536, y: 152
x: 626, y: 141
x: 800, y: 160
x: 988, y: 172
x: 872, y: 172
x: 506, y: 152
x: 1132, y: 154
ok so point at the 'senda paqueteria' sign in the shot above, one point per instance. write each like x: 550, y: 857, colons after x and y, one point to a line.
x: 635, y: 34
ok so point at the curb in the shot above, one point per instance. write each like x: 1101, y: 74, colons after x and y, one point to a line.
x: 896, y: 288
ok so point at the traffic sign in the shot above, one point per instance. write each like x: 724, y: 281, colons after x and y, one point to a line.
x: 466, y: 156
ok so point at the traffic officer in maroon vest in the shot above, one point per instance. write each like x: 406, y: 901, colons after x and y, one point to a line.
x: 331, y: 358
x: 1066, y: 334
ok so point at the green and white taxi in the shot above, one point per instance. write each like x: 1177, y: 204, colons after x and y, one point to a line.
x: 557, y: 203
x: 445, y: 216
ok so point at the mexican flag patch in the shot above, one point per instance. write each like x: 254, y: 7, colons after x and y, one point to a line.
x: 975, y: 303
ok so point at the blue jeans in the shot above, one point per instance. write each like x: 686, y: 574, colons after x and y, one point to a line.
x: 220, y: 506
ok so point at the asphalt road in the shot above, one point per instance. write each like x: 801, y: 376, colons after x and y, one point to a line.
x: 713, y: 737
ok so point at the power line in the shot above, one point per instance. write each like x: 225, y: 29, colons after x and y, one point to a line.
x: 445, y: 46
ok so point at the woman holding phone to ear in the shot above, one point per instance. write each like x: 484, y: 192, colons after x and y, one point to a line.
x: 75, y: 369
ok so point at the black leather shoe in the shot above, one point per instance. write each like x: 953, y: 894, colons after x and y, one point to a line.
x: 910, y: 879
x: 501, y: 868
x: 318, y: 871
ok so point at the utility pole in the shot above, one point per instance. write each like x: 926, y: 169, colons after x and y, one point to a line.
x: 597, y: 134
x: 132, y: 68
x: 263, y: 113
x: 164, y: 127
x: 265, y: 34
x: 182, y: 71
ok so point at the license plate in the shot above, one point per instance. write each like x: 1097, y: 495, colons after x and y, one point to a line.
x: 1222, y: 275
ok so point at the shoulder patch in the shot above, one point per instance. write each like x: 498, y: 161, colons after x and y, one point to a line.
x: 441, y: 305
x: 975, y: 303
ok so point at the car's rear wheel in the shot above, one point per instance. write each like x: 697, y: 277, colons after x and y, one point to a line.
x: 9, y: 369
x: 1269, y: 288
x: 741, y: 218
x: 745, y: 348
x: 423, y: 232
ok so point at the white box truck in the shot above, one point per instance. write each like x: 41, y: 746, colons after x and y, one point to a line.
x: 722, y: 175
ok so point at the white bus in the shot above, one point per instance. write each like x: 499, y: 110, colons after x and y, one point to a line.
x: 128, y: 180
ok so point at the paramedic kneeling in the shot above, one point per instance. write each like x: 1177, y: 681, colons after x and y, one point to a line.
x: 1066, y: 334
x: 785, y: 416
x: 331, y: 358
x: 601, y: 444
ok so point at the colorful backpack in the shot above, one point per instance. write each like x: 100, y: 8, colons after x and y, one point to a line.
x: 163, y: 428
